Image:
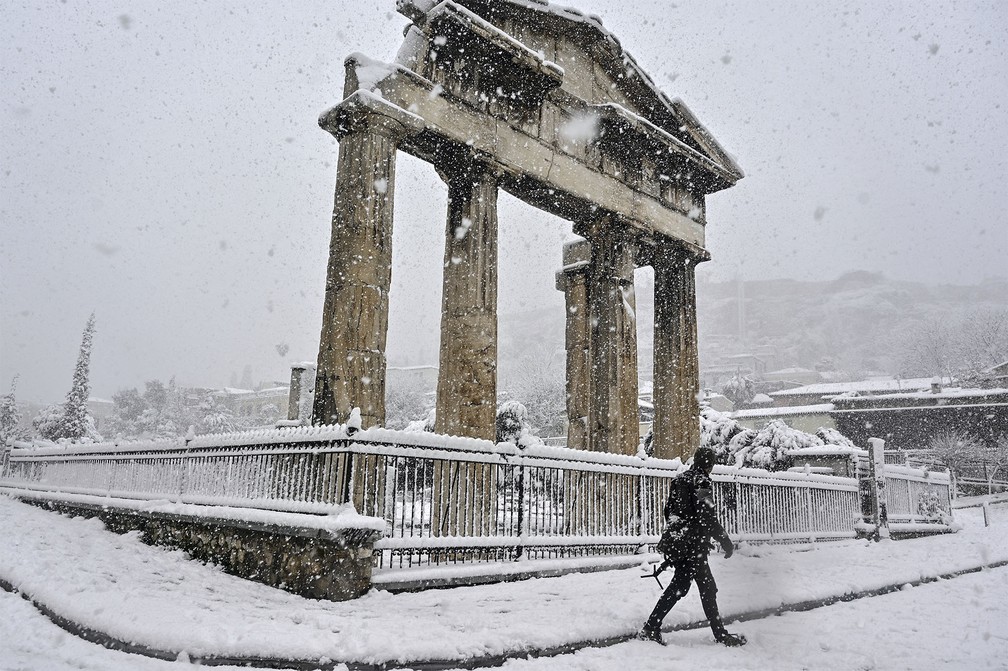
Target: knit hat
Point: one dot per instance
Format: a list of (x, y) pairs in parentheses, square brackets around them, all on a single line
[(703, 458)]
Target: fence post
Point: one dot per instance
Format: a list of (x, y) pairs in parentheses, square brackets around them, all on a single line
[(641, 510), (738, 502), (880, 516), (522, 517), (810, 521)]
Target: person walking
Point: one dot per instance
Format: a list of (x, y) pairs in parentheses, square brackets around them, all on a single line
[(686, 541)]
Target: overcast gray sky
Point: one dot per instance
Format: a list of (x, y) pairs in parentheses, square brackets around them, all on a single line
[(162, 166)]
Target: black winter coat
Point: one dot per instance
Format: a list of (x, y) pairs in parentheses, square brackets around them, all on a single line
[(691, 519)]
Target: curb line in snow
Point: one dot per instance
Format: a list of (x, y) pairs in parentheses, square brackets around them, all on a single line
[(481, 662)]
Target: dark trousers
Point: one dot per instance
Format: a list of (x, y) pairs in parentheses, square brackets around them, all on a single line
[(694, 569)]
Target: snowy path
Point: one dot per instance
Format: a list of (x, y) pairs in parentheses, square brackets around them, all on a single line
[(897, 631), (157, 598), (953, 624)]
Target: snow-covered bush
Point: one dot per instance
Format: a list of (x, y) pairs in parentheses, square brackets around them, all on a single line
[(717, 430), (765, 448), (51, 424), (424, 424), (833, 437), (770, 446), (512, 425), (511, 417)]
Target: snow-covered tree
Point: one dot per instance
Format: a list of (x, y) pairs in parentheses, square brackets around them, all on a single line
[(984, 337), (403, 404), (78, 422), (216, 417), (739, 390), (995, 460), (954, 450), (10, 415), (540, 385), (72, 420)]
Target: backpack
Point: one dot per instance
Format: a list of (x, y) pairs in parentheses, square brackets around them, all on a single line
[(672, 542)]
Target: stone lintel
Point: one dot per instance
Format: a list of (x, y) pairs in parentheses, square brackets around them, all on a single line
[(535, 171), (620, 122), (364, 110)]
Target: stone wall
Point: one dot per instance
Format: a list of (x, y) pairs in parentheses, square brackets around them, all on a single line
[(298, 560)]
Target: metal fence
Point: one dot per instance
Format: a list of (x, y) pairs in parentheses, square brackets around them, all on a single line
[(445, 500), (918, 497)]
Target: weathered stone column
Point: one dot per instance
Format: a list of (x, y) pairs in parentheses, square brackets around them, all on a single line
[(467, 373), (613, 419), (573, 281), (676, 367), (351, 361)]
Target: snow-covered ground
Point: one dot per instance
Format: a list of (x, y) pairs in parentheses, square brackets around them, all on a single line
[(160, 599)]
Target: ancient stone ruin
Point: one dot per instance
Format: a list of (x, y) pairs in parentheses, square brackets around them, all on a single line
[(544, 103)]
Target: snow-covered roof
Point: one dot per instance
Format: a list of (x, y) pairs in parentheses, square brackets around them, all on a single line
[(868, 386), (951, 392), (995, 368), (234, 391), (787, 411), (826, 451), (790, 371)]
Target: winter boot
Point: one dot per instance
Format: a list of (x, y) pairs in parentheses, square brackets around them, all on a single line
[(731, 640), (650, 634)]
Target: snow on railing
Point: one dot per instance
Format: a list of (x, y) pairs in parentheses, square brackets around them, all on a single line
[(444, 499), (917, 500)]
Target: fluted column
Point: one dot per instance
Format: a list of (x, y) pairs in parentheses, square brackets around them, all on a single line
[(613, 419), (676, 367), (351, 361), (467, 373), (573, 281)]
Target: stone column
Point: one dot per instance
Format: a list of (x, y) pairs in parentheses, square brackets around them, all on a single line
[(573, 281), (676, 367), (351, 361), (613, 419), (467, 373)]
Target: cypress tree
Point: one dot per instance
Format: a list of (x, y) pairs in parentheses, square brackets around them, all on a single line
[(10, 416), (76, 420)]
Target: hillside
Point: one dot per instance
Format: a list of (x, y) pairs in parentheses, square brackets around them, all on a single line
[(858, 323)]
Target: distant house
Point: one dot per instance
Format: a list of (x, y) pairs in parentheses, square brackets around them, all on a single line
[(823, 392), (797, 375), (806, 418), (421, 378), (909, 420), (252, 403), (99, 408)]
